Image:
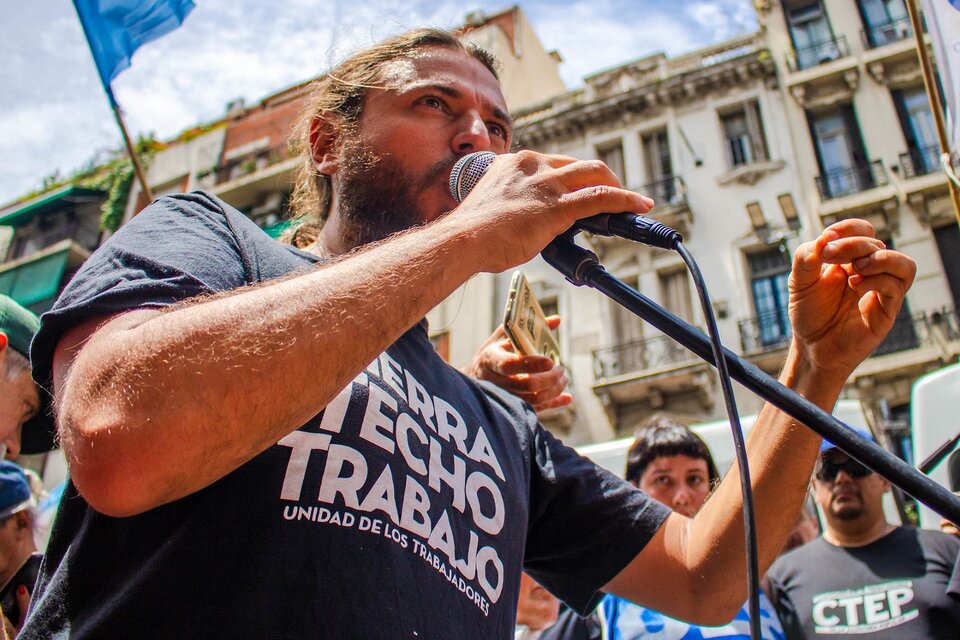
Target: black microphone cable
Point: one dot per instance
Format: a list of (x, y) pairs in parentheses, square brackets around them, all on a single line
[(746, 488), (464, 177)]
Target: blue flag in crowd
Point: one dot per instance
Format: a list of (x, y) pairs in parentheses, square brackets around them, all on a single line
[(117, 28)]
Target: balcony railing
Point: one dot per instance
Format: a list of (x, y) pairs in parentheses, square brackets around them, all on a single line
[(920, 161), (818, 53), (655, 353), (886, 32), (764, 332), (239, 167), (669, 191), (927, 329), (853, 179)]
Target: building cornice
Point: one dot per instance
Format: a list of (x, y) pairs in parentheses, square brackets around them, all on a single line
[(646, 86)]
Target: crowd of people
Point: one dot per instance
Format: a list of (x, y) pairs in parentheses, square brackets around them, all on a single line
[(263, 443)]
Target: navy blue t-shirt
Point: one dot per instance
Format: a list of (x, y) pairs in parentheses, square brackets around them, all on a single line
[(405, 509)]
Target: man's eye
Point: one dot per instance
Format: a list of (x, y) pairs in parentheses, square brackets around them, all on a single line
[(664, 480), (498, 131), (433, 102)]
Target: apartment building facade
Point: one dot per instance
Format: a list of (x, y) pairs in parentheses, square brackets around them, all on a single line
[(867, 147), (750, 148), (705, 135), (47, 238)]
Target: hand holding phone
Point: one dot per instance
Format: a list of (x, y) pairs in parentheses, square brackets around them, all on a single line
[(525, 324)]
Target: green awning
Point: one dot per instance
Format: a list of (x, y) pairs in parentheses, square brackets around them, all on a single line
[(35, 281), (65, 196), (275, 230)]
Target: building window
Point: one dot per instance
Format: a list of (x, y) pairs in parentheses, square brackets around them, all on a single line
[(813, 40), (884, 21), (675, 293), (611, 154), (916, 120), (769, 275), (743, 135), (627, 327), (840, 152), (658, 165), (948, 243)]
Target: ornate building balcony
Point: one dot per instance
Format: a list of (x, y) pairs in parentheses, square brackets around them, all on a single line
[(818, 53), (935, 329), (36, 280), (764, 339), (670, 202), (920, 161), (244, 182), (925, 185), (915, 345), (649, 370), (849, 180), (886, 33)]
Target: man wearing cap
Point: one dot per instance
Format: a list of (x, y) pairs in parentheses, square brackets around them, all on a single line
[(864, 576), (25, 424), (17, 545)]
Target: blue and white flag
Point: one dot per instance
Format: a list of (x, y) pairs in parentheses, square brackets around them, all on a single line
[(943, 21), (117, 28)]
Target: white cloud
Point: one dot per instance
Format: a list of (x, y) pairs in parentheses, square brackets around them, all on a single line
[(56, 116), (722, 19)]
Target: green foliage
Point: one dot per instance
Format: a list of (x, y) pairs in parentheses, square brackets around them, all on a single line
[(116, 182), (116, 178), (195, 132)]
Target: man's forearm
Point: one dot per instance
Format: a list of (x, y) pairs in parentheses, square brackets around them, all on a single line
[(782, 453), (153, 410), (696, 554)]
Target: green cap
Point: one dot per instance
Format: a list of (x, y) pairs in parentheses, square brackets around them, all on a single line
[(20, 325)]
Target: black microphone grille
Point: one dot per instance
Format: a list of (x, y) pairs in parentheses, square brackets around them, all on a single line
[(468, 171)]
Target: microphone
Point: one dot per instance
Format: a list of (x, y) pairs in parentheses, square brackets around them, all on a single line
[(469, 169)]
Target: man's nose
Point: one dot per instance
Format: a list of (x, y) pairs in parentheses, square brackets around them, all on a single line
[(682, 497), (472, 136)]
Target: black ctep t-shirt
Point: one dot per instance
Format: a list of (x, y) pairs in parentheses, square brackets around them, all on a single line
[(891, 589), (404, 510)]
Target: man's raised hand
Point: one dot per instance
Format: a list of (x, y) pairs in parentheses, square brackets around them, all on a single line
[(846, 289)]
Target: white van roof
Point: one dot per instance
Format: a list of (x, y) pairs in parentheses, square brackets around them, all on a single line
[(612, 455)]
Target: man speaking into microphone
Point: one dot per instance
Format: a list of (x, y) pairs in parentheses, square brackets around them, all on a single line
[(263, 444)]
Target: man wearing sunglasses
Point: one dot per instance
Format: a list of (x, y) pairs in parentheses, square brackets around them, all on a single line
[(864, 576)]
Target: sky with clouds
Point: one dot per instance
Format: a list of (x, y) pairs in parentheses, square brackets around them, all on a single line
[(54, 116)]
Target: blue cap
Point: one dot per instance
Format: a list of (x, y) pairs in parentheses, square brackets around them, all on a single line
[(14, 489), (826, 445)]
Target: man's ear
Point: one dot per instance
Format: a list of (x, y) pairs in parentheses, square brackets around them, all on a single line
[(23, 520), (323, 146)]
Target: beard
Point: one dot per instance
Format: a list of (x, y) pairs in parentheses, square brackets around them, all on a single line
[(377, 197), (847, 511)]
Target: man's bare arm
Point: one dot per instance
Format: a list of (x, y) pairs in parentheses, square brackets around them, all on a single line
[(156, 405), (846, 290)]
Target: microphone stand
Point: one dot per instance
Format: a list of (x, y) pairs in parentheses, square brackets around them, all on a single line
[(582, 267)]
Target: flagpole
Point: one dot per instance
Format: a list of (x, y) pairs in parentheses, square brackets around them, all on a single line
[(933, 94), (137, 168)]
